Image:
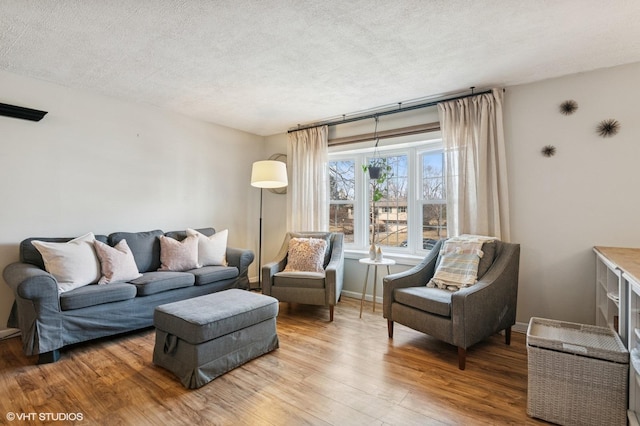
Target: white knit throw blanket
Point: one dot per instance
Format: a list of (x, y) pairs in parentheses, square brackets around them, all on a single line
[(459, 259)]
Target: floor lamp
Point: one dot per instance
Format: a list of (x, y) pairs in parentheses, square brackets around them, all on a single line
[(267, 174)]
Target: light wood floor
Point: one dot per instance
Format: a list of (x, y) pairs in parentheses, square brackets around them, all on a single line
[(342, 373)]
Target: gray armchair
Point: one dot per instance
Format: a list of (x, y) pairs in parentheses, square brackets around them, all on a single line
[(302, 287), (462, 318)]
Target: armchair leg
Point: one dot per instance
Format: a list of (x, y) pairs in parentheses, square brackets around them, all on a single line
[(330, 313), (462, 358), (390, 328), (507, 335)]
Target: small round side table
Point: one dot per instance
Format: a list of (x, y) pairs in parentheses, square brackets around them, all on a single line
[(375, 264)]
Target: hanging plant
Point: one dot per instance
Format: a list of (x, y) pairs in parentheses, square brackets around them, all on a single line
[(608, 128), (374, 172), (382, 171)]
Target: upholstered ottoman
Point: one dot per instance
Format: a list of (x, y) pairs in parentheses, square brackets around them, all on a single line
[(202, 338)]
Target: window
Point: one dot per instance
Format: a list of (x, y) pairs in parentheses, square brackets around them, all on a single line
[(432, 198), (342, 196), (411, 215)]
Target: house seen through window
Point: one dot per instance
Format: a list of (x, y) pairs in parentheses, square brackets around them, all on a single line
[(411, 214)]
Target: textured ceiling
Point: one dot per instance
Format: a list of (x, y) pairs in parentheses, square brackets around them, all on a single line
[(264, 66)]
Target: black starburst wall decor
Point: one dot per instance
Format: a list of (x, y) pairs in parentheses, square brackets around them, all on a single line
[(568, 107), (608, 128), (549, 151)]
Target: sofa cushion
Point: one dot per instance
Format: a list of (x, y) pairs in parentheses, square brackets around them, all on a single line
[(212, 249), (178, 255), (116, 263), (74, 263), (299, 279), (145, 247), (91, 295), (157, 282), (211, 274), (181, 235), (432, 300), (29, 254)]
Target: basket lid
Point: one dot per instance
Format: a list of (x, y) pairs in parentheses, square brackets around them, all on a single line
[(580, 339)]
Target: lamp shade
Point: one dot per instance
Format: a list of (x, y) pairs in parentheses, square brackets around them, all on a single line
[(269, 174)]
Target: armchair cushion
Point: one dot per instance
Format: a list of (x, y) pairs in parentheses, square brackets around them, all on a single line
[(299, 279), (432, 300), (306, 255)]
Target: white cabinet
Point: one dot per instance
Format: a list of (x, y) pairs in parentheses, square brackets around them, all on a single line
[(618, 307), (611, 294), (634, 349)]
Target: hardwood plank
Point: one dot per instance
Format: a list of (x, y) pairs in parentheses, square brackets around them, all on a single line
[(324, 373)]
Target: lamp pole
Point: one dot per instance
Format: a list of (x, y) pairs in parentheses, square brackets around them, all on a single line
[(260, 246), (266, 174)]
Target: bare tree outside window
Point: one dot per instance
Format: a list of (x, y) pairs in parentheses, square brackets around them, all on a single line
[(434, 207), (390, 217), (342, 183)]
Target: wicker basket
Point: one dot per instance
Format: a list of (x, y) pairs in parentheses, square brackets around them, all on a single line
[(578, 374)]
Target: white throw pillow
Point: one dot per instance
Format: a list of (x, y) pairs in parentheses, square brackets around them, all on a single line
[(74, 263), (178, 255), (211, 250), (117, 262), (306, 255)]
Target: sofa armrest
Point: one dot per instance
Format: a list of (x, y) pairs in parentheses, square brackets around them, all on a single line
[(489, 306), (417, 276), (241, 259), (38, 307), (30, 282)]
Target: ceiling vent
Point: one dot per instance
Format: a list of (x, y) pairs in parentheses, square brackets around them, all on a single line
[(21, 112)]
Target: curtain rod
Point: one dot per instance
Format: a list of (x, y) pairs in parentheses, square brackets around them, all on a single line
[(378, 114)]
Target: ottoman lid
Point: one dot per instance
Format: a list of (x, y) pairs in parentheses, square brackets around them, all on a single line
[(204, 318)]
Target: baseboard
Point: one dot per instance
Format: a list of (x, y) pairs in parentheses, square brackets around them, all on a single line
[(8, 333), (355, 295), (520, 327)]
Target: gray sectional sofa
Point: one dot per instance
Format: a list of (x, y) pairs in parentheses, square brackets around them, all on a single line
[(49, 320)]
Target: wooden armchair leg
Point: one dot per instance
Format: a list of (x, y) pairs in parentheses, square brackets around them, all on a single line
[(330, 313), (507, 335), (462, 358), (390, 328)]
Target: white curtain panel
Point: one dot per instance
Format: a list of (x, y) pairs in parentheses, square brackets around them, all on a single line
[(307, 202), (475, 163)]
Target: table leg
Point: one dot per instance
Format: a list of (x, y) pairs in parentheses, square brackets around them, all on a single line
[(364, 289), (375, 281), (375, 284)]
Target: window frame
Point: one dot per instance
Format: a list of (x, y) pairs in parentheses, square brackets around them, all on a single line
[(415, 202)]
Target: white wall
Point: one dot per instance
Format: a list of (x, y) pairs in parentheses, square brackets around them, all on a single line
[(586, 195), (98, 164)]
